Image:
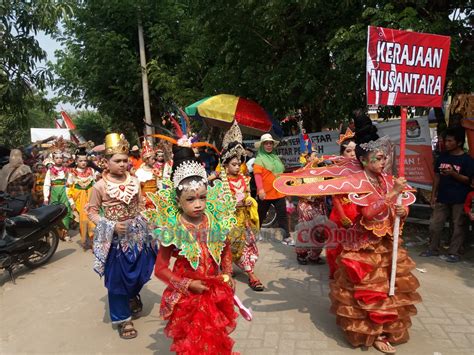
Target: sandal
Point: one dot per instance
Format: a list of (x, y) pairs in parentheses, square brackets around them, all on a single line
[(382, 345), (136, 305), (302, 260), (126, 330), (256, 285)]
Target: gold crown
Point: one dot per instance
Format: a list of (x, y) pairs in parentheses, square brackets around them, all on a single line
[(116, 144)]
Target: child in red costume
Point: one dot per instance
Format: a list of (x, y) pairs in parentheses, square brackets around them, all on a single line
[(193, 221), (344, 211)]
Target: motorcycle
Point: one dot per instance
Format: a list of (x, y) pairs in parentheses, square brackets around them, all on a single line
[(28, 237)]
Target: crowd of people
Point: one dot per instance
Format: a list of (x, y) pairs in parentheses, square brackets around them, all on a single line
[(138, 208)]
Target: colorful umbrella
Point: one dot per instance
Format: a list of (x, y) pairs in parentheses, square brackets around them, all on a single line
[(221, 110)]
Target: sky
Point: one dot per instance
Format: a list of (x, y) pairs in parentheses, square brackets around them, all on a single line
[(50, 45)]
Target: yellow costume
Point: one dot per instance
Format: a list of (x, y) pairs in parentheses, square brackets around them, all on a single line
[(80, 182)]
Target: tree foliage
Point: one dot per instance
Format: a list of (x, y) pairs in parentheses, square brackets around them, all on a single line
[(307, 55), (93, 126), (40, 114), (20, 52)]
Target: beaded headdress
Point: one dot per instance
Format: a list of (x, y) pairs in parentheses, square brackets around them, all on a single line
[(116, 144), (232, 144), (58, 147), (382, 144), (187, 169)]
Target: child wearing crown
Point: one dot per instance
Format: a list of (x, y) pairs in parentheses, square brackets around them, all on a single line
[(123, 248), (79, 183), (147, 174), (193, 221), (242, 238), (54, 187)]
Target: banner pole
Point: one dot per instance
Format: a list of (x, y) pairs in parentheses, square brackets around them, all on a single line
[(401, 172)]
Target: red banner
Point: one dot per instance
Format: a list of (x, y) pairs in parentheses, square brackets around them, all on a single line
[(406, 68)]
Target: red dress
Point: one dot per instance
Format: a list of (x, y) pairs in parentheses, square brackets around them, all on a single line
[(198, 323), (343, 211)]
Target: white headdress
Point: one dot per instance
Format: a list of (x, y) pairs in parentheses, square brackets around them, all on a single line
[(187, 169)]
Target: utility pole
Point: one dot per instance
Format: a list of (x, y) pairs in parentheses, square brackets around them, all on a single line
[(146, 95)]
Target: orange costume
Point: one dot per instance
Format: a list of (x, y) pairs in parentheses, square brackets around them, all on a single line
[(359, 291)]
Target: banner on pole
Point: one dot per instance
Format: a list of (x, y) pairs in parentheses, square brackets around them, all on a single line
[(405, 68)]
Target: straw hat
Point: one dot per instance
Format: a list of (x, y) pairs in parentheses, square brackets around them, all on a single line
[(267, 137)]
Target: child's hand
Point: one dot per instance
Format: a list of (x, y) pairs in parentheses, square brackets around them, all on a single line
[(400, 211), (471, 216), (121, 228), (198, 286)]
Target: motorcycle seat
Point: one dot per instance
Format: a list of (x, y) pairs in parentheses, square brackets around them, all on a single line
[(31, 220)]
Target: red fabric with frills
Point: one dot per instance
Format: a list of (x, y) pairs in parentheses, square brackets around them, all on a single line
[(200, 324), (356, 270), (369, 297), (342, 208)]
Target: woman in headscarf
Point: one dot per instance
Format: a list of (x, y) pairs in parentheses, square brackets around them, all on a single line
[(16, 178), (266, 168)]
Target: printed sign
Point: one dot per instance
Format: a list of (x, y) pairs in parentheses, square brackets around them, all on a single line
[(405, 68)]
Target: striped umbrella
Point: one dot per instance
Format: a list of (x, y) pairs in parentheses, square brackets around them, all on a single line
[(221, 110)]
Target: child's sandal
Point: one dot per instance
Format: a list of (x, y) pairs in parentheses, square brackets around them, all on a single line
[(127, 330)]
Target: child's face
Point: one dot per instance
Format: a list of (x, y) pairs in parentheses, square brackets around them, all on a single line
[(233, 167), (117, 164), (58, 160), (193, 201), (150, 161), (81, 162), (39, 168)]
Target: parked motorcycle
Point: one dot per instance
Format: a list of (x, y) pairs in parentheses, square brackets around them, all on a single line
[(30, 238)]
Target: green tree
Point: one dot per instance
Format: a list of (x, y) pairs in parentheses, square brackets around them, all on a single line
[(307, 55), (20, 52), (93, 126), (40, 114)]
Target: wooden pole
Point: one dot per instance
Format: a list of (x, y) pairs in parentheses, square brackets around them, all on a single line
[(401, 172), (146, 95)]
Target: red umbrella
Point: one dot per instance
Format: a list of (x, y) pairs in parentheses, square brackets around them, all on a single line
[(221, 110)]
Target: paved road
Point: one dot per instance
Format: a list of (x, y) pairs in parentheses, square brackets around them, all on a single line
[(61, 308)]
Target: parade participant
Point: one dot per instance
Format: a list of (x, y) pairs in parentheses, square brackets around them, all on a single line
[(243, 237), (359, 293), (79, 183), (162, 165), (193, 222), (124, 252), (16, 178), (54, 188), (39, 171), (266, 168), (311, 208), (135, 160), (344, 211), (147, 174)]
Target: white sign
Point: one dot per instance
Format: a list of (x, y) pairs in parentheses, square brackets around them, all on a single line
[(38, 134)]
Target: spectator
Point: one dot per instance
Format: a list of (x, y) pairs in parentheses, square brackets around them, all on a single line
[(450, 188), (16, 178), (266, 168)]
